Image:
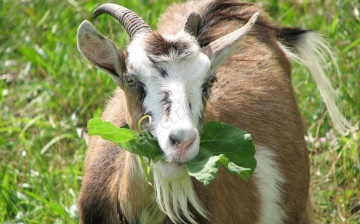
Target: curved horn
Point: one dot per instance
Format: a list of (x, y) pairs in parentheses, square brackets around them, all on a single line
[(132, 23)]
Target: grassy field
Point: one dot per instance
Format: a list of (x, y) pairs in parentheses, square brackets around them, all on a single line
[(48, 92)]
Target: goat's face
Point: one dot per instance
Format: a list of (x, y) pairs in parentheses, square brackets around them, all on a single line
[(166, 77), (176, 78)]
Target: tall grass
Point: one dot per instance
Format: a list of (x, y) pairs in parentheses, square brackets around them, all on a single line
[(48, 93)]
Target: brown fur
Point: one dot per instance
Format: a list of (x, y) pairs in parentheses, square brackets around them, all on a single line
[(253, 92), (156, 45)]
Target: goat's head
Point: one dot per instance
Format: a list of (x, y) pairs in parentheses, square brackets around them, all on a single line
[(168, 77)]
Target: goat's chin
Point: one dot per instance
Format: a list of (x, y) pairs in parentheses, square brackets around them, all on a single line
[(170, 170)]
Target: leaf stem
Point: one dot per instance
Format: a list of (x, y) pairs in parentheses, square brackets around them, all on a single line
[(146, 167), (141, 120)]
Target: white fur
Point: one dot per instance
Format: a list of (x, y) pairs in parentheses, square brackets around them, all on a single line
[(268, 178), (313, 52), (174, 191), (184, 81)]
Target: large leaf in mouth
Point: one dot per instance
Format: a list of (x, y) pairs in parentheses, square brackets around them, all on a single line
[(142, 143), (223, 144), (220, 144)]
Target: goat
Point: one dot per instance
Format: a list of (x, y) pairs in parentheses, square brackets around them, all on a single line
[(199, 66)]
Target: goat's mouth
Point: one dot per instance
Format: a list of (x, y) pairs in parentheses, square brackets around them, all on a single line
[(178, 157), (176, 164)]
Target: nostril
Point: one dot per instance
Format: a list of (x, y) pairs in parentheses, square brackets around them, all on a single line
[(175, 139)]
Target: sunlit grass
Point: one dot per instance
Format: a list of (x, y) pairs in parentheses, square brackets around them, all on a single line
[(48, 93)]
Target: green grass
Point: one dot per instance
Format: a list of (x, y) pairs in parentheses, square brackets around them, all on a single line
[(48, 92)]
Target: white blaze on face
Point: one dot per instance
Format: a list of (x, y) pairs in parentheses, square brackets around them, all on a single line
[(180, 94), (174, 91)]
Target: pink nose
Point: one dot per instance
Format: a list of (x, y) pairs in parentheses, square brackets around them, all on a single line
[(182, 140)]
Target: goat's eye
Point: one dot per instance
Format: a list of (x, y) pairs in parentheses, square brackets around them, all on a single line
[(211, 81), (131, 81)]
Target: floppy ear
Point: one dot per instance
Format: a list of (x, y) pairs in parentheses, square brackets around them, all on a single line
[(100, 51), (220, 49)]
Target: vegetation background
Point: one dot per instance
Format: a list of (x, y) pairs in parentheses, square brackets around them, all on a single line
[(48, 92)]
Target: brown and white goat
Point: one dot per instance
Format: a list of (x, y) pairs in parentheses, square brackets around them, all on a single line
[(193, 69)]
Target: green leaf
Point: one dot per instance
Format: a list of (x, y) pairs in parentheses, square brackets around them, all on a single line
[(230, 146), (108, 131), (142, 144), (236, 144), (205, 167), (146, 145), (220, 144)]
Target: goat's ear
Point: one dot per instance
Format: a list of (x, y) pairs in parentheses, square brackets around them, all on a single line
[(222, 48), (100, 51)]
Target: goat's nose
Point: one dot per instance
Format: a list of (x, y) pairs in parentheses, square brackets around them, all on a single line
[(182, 139)]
